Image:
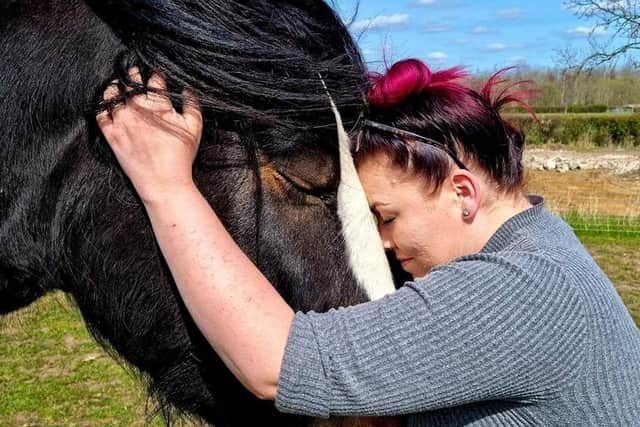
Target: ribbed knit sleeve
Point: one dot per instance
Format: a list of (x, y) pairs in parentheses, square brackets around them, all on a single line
[(483, 327)]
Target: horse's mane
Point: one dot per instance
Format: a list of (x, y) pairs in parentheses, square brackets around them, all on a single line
[(256, 59)]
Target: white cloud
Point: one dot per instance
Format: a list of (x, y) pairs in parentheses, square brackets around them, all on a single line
[(518, 59), (381, 22), (461, 41), (480, 29), (437, 56), (440, 4), (581, 31), (435, 27), (495, 47), (509, 13), (499, 47)]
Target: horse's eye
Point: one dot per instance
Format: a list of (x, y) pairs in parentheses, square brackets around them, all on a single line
[(328, 199), (306, 194)]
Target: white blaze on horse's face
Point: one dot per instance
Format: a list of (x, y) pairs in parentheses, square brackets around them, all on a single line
[(364, 247)]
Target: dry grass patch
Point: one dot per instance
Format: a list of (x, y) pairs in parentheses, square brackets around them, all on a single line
[(588, 193)]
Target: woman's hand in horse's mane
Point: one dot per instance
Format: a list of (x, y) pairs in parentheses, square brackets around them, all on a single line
[(239, 312), (155, 145)]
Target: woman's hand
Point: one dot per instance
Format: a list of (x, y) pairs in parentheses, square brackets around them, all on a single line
[(154, 144)]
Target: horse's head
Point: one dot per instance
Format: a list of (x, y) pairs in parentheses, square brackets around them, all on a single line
[(271, 163)]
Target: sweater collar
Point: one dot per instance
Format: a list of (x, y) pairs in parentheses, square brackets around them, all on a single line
[(504, 235)]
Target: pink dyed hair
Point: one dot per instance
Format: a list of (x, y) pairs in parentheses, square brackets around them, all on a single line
[(435, 105), (412, 77)]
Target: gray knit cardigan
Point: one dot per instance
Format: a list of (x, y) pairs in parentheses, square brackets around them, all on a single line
[(528, 332)]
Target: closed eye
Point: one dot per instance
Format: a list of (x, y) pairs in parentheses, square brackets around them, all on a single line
[(380, 221), (306, 194)]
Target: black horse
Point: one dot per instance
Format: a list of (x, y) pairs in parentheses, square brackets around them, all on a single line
[(269, 163)]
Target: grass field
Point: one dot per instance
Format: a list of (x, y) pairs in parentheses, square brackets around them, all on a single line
[(52, 373), (561, 115)]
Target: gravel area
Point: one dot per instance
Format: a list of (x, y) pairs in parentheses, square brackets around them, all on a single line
[(620, 161)]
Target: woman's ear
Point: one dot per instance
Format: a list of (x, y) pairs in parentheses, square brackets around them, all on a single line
[(467, 188)]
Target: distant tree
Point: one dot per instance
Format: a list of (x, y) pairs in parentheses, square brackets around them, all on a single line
[(621, 18), (566, 60)]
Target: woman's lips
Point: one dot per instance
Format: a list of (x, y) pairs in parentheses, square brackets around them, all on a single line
[(403, 260)]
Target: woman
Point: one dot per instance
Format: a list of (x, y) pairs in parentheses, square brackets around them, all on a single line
[(508, 321)]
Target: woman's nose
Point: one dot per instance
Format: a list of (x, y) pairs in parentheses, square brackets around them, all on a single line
[(386, 242)]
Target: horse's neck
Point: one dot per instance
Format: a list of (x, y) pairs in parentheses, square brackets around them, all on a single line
[(53, 56)]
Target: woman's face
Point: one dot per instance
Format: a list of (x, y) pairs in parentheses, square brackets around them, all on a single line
[(422, 228)]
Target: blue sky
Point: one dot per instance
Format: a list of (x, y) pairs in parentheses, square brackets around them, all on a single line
[(482, 35)]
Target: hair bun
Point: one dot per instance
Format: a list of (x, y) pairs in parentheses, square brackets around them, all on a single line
[(408, 77)]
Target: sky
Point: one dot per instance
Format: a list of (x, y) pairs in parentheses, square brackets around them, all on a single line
[(481, 35)]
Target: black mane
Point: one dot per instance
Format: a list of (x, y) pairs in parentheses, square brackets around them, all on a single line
[(256, 59)]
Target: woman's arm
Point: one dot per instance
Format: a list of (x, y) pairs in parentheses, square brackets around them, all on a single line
[(242, 316), (236, 308)]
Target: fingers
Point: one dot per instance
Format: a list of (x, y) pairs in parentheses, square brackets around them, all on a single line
[(105, 118), (157, 95), (157, 81), (104, 121), (112, 91), (157, 103), (134, 75), (191, 111)]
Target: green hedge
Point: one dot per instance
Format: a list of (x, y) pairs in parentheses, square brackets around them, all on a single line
[(596, 108), (590, 129)]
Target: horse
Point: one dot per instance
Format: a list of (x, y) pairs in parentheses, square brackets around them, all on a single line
[(277, 81)]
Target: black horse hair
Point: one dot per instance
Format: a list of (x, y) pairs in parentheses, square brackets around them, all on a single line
[(233, 55)]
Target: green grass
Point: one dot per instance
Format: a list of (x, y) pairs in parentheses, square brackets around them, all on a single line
[(619, 228), (53, 373), (570, 115), (598, 129)]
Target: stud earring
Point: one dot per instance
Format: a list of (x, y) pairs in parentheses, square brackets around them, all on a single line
[(465, 212)]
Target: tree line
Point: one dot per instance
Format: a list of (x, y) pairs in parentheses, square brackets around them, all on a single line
[(594, 82), (594, 90)]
